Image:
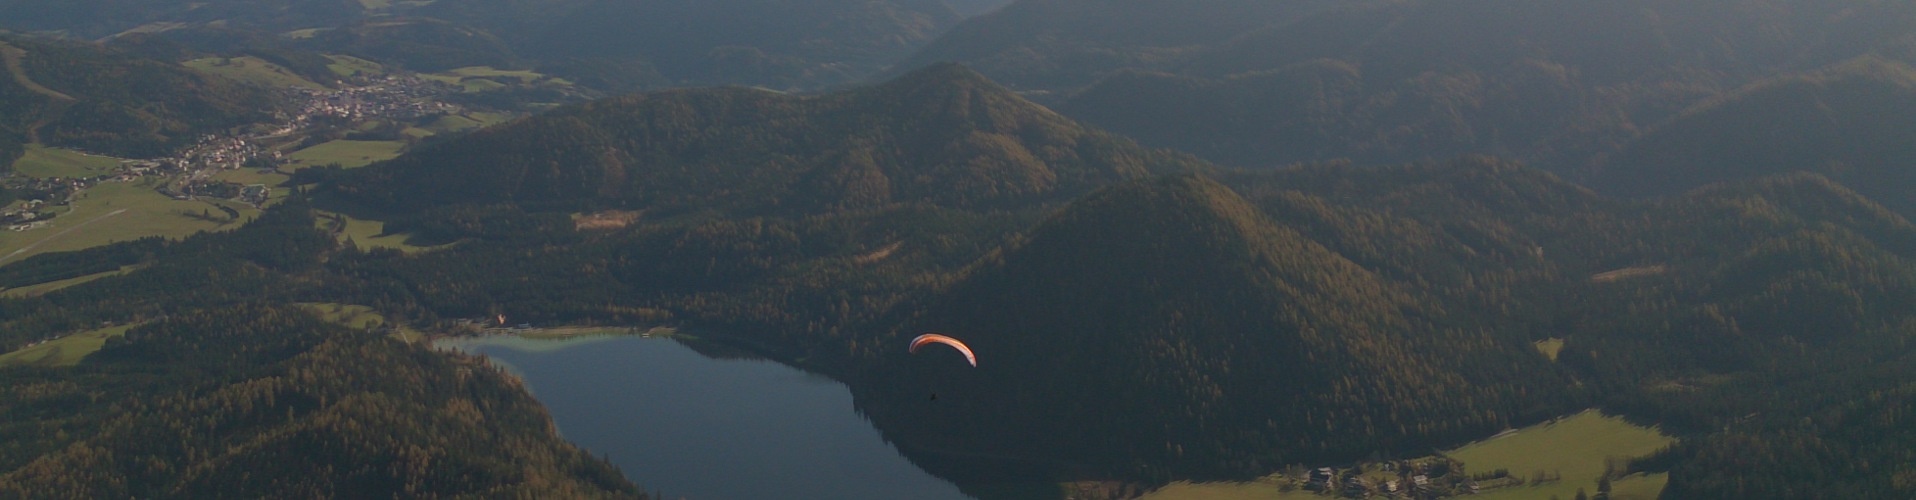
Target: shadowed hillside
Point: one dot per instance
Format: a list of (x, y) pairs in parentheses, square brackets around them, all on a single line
[(1848, 123), (942, 135)]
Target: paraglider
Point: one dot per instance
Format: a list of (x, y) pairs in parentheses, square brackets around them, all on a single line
[(933, 338)]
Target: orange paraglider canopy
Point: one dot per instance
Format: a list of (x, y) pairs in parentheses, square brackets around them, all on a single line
[(933, 338)]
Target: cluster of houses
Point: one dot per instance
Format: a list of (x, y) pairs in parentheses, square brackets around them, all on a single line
[(1426, 478), (397, 97)]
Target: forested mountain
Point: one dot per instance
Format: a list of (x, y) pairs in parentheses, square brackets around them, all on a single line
[(772, 43), (763, 42), (223, 387), (100, 99), (94, 19), (942, 135), (1216, 341), (1053, 44), (272, 402), (1848, 123), (1213, 351), (1553, 83)]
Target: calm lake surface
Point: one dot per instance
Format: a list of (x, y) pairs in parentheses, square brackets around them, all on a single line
[(686, 425)]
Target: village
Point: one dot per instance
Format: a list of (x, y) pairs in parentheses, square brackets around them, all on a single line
[(190, 173)]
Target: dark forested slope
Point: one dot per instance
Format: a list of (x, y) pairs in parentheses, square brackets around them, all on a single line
[(942, 135), (97, 98), (1215, 341), (272, 402)]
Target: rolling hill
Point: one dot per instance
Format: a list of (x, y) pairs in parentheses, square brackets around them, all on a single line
[(101, 99), (943, 135), (1553, 83), (1209, 340), (1844, 123)]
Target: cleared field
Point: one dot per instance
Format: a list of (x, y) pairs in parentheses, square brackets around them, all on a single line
[(116, 211), (64, 351), (302, 34), (369, 234), (348, 154), (464, 122), (251, 176), (44, 288), (347, 65), (360, 317), (1550, 347), (252, 70), (1574, 447), (43, 162)]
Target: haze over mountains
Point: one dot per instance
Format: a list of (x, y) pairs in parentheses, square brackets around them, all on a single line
[(1366, 219), (1562, 85)]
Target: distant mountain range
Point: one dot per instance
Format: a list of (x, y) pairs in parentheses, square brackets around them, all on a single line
[(1558, 84), (100, 99), (942, 135)]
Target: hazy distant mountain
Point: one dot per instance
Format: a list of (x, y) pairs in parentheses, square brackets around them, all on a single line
[(764, 42), (756, 42), (970, 8), (943, 135), (93, 19), (1555, 83), (1849, 123), (1052, 44)]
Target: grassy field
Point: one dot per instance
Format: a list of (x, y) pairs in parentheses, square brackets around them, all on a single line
[(44, 288), (116, 211), (1550, 347), (349, 154), (368, 234), (252, 70), (43, 162), (360, 317), (1574, 447), (347, 65), (1227, 491), (65, 351)]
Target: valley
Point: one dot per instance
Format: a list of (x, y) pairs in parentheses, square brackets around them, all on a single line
[(1208, 249)]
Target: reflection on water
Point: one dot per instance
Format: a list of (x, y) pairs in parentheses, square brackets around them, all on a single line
[(690, 426)]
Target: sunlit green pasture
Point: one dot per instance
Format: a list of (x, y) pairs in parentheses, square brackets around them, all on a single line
[(348, 154), (64, 351), (118, 211), (44, 162), (252, 70)]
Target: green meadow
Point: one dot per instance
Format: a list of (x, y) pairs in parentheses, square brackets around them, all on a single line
[(343, 65), (252, 70), (43, 162), (1550, 347), (369, 234), (1574, 447), (118, 211), (64, 351), (44, 288), (360, 318), (348, 154)]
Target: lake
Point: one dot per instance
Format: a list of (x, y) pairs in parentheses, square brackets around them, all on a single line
[(686, 425)]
